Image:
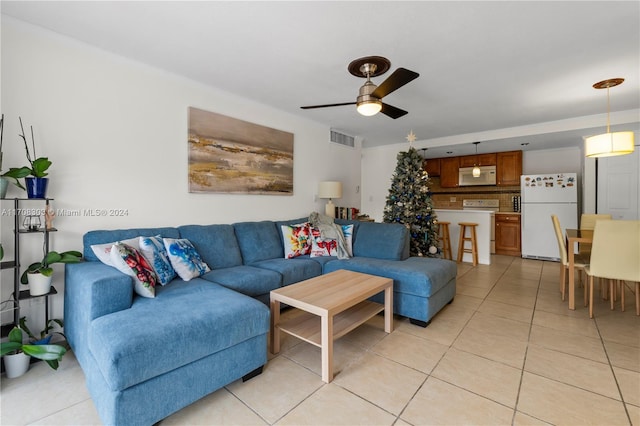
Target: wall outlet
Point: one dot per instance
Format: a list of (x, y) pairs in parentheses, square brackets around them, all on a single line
[(452, 199)]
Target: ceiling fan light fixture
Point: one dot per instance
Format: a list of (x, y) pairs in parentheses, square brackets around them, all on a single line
[(609, 144), (369, 108)]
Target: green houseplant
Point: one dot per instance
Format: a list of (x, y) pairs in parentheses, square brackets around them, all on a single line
[(39, 274), (13, 174), (52, 354), (34, 174)]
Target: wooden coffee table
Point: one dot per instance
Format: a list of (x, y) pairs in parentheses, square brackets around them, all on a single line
[(333, 305)]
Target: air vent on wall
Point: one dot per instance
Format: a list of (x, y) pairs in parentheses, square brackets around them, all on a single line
[(342, 139)]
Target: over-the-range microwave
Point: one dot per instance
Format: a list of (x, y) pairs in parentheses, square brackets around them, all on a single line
[(487, 176)]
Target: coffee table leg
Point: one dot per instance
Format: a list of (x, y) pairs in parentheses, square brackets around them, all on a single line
[(388, 309), (275, 331), (327, 347)]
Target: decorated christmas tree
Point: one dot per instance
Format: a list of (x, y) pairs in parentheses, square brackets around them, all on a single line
[(409, 202)]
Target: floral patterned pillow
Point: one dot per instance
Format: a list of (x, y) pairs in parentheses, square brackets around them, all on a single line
[(329, 247), (153, 250), (130, 261), (184, 258), (297, 240)]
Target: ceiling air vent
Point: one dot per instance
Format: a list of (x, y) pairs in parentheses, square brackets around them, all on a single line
[(342, 139)]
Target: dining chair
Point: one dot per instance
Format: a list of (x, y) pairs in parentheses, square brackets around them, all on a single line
[(614, 256), (588, 221), (579, 261)]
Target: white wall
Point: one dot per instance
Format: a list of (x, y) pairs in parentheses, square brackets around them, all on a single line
[(568, 160), (116, 131)]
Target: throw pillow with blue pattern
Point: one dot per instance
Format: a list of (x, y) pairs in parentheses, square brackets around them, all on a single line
[(184, 258), (153, 250)]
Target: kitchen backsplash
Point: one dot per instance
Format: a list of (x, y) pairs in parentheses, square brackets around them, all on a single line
[(451, 198)]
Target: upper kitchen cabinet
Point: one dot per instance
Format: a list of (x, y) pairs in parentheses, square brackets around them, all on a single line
[(449, 172), (432, 166), (478, 160), (508, 168)]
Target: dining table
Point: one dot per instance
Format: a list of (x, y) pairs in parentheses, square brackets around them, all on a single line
[(575, 236)]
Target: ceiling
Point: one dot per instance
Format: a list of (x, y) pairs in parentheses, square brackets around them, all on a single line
[(504, 73)]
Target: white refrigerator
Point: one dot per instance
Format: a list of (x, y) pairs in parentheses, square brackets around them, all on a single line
[(542, 196)]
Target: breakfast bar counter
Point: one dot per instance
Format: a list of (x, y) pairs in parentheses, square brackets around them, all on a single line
[(483, 231)]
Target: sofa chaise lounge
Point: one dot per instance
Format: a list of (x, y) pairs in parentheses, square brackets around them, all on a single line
[(146, 358)]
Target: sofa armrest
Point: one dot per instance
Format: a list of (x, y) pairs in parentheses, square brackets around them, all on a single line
[(92, 290)]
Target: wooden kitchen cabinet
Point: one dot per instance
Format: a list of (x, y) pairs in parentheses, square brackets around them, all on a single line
[(508, 168), (432, 166), (449, 172), (479, 160), (508, 234)]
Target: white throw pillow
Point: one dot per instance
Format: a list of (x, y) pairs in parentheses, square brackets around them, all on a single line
[(130, 261), (103, 251), (184, 258)]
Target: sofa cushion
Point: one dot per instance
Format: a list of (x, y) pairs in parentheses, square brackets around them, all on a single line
[(292, 270), (103, 237), (381, 241), (420, 276), (186, 321), (258, 241), (216, 244), (246, 279)]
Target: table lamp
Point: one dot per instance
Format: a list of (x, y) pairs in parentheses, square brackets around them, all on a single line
[(330, 190)]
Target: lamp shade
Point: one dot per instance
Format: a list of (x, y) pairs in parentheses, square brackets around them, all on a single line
[(330, 189), (609, 144)]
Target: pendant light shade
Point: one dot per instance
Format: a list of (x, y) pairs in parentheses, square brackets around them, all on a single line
[(609, 144), (476, 170)]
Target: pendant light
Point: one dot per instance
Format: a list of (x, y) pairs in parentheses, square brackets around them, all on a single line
[(609, 144), (476, 170)]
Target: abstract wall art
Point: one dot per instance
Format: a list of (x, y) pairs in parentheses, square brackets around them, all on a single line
[(228, 155)]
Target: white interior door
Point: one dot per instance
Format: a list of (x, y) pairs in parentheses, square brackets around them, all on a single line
[(618, 188)]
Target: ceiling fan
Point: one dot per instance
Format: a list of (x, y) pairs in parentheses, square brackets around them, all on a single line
[(369, 101)]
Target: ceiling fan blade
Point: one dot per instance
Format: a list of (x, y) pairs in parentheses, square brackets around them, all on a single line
[(392, 111), (399, 78), (328, 105)]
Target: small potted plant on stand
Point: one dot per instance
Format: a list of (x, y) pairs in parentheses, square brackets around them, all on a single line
[(36, 181), (39, 274), (17, 355), (13, 174)]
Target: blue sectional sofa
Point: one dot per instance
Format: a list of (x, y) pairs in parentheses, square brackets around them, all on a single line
[(146, 358)]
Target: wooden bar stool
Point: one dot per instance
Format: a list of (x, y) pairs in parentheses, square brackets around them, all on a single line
[(445, 240), (463, 238)]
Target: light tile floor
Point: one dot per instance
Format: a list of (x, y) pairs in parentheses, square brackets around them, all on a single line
[(506, 351)]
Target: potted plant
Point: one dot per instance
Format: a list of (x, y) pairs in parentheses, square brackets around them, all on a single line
[(44, 337), (39, 274), (13, 174), (35, 174), (16, 354)]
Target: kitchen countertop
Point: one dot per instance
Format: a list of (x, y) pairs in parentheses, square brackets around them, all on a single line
[(511, 213)]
